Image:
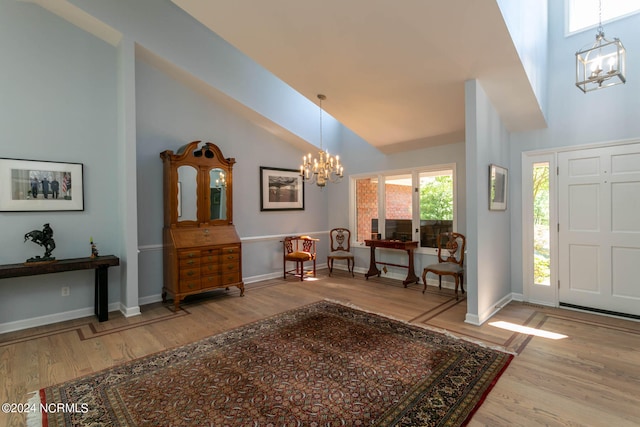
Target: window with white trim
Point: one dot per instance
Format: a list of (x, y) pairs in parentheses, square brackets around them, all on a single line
[(415, 204), (584, 14)]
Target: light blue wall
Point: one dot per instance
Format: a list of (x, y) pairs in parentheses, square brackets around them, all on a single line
[(575, 118), (489, 255), (169, 115), (58, 102), (527, 21), (167, 31)]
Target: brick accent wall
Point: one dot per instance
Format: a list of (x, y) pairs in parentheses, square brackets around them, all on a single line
[(398, 205), (398, 201), (367, 207)]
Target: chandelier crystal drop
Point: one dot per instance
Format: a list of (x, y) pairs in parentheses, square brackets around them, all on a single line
[(602, 64), (323, 169)]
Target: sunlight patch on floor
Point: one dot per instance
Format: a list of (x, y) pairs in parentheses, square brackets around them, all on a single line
[(527, 330)]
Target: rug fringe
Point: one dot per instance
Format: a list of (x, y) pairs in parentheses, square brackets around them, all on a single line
[(428, 328), (34, 418)]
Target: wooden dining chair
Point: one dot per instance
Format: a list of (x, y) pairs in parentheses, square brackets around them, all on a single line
[(340, 249), (451, 247)]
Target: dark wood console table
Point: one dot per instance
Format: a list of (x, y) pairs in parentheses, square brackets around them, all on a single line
[(99, 264), (409, 247)]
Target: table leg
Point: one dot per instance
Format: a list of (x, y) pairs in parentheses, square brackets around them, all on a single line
[(373, 269), (411, 274), (102, 293)]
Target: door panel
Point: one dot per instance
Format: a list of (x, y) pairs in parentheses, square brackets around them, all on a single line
[(599, 239)]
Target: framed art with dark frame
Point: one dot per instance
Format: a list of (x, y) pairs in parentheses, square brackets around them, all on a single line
[(281, 189), (498, 188), (33, 185)]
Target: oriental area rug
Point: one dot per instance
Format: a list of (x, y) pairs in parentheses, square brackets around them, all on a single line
[(324, 364)]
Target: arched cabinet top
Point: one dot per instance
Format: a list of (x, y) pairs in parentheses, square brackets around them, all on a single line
[(200, 198), (199, 154)]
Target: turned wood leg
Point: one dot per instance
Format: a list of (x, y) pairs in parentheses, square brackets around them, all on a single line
[(424, 280), (462, 282), (439, 282), (164, 296), (457, 280)]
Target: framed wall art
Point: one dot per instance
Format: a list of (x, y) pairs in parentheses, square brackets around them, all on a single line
[(498, 179), (281, 189), (32, 185)]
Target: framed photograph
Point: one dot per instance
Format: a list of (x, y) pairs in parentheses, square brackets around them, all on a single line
[(31, 185), (281, 189), (498, 178)]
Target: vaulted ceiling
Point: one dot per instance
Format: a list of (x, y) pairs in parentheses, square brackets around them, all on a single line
[(393, 72)]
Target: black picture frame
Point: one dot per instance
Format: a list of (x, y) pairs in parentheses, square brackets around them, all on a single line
[(281, 189), (39, 185)]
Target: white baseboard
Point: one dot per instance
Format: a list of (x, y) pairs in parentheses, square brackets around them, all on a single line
[(478, 320), (52, 318), (130, 311)]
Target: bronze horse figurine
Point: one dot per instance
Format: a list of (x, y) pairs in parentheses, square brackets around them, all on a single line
[(43, 238)]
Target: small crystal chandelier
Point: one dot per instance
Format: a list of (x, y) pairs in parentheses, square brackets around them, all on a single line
[(221, 181), (325, 168), (602, 64)]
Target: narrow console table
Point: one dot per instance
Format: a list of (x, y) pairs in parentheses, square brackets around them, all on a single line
[(409, 247), (99, 264)]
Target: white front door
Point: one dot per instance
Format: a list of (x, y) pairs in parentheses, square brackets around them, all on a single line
[(599, 222)]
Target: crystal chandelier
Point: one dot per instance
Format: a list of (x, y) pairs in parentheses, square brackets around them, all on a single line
[(221, 181), (325, 168), (601, 64)]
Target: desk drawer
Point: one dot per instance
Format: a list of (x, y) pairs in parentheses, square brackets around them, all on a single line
[(230, 250), (186, 263), (189, 285), (210, 258), (190, 273), (229, 257), (206, 269), (230, 267), (189, 254), (210, 281), (228, 278)]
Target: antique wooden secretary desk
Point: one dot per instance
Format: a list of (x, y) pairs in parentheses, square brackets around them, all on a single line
[(202, 250)]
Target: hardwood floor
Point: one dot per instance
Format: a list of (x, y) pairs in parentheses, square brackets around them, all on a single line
[(589, 378)]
